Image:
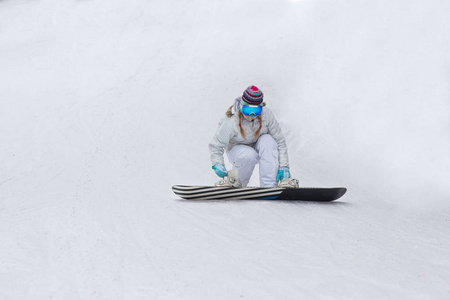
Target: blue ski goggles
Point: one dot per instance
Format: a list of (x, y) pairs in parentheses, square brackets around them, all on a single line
[(251, 110)]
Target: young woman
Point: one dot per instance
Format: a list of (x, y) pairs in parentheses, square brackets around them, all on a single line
[(251, 134)]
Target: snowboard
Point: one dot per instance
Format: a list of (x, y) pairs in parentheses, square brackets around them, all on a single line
[(192, 192)]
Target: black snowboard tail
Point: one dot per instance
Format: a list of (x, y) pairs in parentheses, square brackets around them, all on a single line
[(191, 192)]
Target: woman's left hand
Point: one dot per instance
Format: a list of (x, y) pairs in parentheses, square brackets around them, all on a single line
[(283, 173)]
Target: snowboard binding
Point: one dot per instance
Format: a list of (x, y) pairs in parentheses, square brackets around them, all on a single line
[(231, 180), (288, 183)]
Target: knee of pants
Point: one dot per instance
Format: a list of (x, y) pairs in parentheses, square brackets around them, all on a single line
[(267, 143), (242, 155)]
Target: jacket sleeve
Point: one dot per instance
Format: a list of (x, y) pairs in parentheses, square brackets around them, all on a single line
[(221, 140), (277, 134)]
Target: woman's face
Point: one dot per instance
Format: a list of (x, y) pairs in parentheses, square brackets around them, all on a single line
[(250, 112), (249, 118)]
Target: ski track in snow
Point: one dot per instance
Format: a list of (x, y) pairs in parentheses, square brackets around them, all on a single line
[(104, 108)]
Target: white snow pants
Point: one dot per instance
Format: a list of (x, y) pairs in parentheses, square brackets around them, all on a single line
[(265, 152)]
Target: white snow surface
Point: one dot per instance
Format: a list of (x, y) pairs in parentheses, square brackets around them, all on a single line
[(106, 105)]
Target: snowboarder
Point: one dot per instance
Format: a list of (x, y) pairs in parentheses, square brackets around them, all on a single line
[(251, 134)]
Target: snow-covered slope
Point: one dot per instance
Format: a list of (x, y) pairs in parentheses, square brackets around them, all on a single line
[(105, 106)]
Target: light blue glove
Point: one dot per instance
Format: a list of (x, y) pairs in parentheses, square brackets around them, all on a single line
[(283, 173), (220, 170)]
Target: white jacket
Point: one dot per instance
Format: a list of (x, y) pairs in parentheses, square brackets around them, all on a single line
[(228, 135)]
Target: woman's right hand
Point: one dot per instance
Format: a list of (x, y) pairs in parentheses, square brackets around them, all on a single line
[(220, 170)]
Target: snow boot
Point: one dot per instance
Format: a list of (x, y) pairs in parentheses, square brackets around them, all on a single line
[(231, 180), (288, 183)]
